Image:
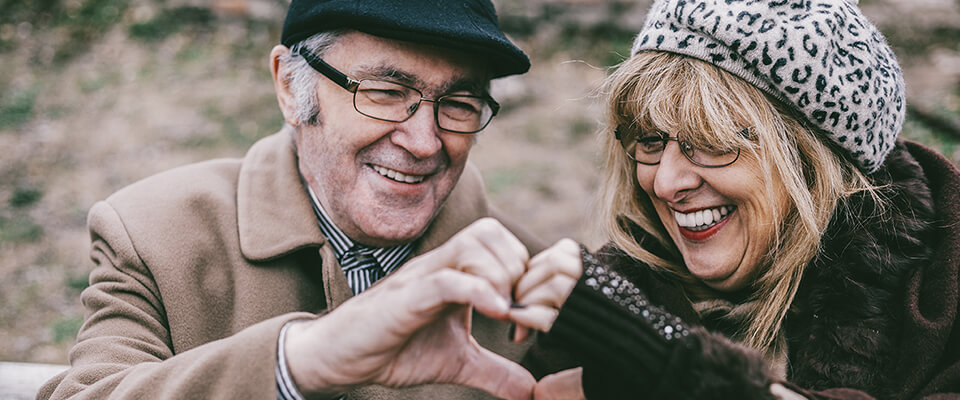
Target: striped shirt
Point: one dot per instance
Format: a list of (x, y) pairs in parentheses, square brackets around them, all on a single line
[(390, 258)]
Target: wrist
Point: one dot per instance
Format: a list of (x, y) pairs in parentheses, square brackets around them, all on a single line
[(312, 371)]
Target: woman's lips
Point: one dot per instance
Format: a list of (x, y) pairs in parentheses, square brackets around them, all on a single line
[(700, 230)]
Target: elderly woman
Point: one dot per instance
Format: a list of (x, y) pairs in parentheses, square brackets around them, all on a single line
[(769, 234)]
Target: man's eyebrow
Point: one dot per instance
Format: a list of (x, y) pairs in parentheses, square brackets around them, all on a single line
[(391, 73), (387, 72)]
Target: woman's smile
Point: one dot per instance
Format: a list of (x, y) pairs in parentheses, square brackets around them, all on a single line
[(702, 224)]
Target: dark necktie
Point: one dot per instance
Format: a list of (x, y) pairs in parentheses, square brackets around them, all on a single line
[(361, 268)]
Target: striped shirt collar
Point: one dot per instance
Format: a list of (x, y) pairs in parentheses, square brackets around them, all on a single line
[(390, 258)]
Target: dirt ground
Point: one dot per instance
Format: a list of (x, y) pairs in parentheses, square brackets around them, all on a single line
[(127, 103)]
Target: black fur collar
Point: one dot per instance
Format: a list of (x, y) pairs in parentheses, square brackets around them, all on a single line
[(842, 329)]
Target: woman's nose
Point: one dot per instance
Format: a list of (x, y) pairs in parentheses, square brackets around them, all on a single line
[(676, 175)]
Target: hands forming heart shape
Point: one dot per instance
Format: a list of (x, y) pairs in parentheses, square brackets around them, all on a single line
[(415, 327)]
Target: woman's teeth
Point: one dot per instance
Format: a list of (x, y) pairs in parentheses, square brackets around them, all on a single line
[(398, 176), (703, 219)]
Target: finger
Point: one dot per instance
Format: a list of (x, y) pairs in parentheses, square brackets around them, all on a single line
[(537, 317), (782, 393), (520, 333), (553, 285), (504, 245), (563, 385), (553, 292), (485, 265), (496, 375), (561, 258), (449, 286), (486, 249), (465, 242)]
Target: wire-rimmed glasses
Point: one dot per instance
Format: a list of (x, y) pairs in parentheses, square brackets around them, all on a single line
[(646, 147), (395, 102)]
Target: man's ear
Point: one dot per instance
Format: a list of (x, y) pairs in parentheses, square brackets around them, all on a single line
[(285, 97)]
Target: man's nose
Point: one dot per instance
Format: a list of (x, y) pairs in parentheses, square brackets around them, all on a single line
[(419, 134), (676, 175)]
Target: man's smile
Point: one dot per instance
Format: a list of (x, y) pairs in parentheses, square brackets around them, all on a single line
[(397, 175)]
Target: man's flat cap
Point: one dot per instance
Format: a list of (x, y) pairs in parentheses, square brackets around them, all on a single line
[(467, 25)]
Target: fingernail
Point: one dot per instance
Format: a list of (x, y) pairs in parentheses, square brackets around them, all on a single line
[(516, 305), (503, 304)]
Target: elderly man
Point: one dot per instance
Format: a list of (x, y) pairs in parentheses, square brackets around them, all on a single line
[(243, 278)]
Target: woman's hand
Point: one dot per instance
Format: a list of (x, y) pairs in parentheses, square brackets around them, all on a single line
[(542, 290), (783, 393), (563, 385)]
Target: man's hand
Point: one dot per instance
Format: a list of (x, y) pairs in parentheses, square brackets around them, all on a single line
[(414, 327), (541, 292)]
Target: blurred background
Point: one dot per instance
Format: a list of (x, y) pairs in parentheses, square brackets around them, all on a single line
[(96, 94)]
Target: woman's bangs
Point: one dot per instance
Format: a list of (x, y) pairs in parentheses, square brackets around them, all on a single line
[(640, 108), (686, 98), (712, 112)]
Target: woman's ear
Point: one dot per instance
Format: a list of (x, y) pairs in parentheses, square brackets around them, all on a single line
[(281, 83)]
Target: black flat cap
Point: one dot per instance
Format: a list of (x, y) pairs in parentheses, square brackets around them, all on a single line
[(468, 25)]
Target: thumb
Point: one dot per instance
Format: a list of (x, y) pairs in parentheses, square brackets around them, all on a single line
[(494, 374)]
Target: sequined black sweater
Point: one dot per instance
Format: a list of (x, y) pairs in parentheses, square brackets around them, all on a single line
[(628, 345)]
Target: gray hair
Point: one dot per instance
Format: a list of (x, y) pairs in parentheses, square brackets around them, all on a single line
[(302, 79)]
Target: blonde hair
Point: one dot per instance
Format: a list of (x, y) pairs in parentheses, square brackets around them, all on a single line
[(681, 94)]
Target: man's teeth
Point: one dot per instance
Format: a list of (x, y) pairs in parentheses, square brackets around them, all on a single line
[(703, 219), (398, 176)]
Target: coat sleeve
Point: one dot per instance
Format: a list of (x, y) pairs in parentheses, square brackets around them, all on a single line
[(627, 345), (124, 348)]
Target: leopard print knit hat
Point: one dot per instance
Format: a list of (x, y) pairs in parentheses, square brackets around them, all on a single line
[(822, 58)]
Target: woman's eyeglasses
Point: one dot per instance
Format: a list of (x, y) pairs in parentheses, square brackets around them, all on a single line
[(647, 148)]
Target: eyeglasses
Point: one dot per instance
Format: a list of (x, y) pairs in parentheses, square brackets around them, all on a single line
[(396, 102), (647, 148)]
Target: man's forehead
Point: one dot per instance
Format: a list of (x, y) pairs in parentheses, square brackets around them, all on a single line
[(421, 79), (423, 66)]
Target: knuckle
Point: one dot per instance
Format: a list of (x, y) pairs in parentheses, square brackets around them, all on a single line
[(488, 224), (445, 278), (500, 279), (568, 244)]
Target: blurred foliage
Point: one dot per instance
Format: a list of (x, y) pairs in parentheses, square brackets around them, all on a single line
[(101, 81), (171, 21), (500, 179), (16, 226), (81, 22), (259, 115), (909, 41), (16, 107), (66, 328), (554, 27), (77, 282), (19, 228), (25, 196)]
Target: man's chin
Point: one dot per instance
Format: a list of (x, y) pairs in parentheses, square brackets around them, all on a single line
[(385, 234)]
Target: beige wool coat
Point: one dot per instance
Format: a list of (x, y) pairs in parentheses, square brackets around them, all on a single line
[(198, 268)]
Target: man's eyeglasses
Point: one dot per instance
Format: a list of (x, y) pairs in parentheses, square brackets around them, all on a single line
[(395, 102), (647, 148)]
